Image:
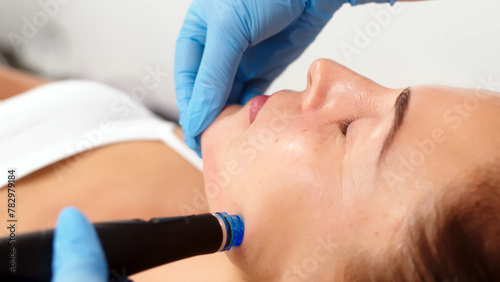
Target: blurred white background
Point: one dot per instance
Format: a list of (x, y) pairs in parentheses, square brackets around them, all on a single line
[(450, 42)]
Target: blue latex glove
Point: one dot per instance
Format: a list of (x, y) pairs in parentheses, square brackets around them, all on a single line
[(77, 251), (230, 51)]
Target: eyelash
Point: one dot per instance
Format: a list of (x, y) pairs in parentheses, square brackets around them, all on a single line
[(344, 125)]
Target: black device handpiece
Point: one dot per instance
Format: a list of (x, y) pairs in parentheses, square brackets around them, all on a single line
[(130, 246)]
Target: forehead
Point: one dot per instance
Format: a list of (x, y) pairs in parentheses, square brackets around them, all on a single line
[(446, 132)]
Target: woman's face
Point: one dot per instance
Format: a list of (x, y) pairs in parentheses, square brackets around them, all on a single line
[(312, 190)]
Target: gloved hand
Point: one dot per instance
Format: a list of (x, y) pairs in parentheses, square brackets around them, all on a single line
[(229, 51), (77, 255)]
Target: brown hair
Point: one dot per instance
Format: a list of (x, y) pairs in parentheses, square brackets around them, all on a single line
[(458, 241)]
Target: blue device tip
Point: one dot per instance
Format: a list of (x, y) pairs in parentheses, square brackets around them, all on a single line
[(235, 230), (238, 230)]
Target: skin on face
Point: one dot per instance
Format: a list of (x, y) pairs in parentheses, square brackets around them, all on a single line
[(310, 195)]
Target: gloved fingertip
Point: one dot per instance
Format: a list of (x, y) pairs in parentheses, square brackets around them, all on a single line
[(77, 251), (68, 215), (189, 129), (203, 109), (69, 220), (194, 143), (191, 142), (198, 152), (198, 143)]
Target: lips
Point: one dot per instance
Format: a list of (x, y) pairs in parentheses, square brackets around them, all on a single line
[(256, 104)]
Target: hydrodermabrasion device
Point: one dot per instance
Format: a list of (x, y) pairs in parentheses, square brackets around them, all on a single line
[(130, 246)]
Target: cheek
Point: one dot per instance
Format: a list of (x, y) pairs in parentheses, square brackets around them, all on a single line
[(282, 200), (256, 164), (282, 183), (248, 161), (274, 179), (218, 138)]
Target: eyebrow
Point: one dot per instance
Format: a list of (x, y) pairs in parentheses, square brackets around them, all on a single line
[(400, 108)]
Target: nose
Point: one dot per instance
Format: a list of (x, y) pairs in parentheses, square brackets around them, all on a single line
[(340, 91)]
